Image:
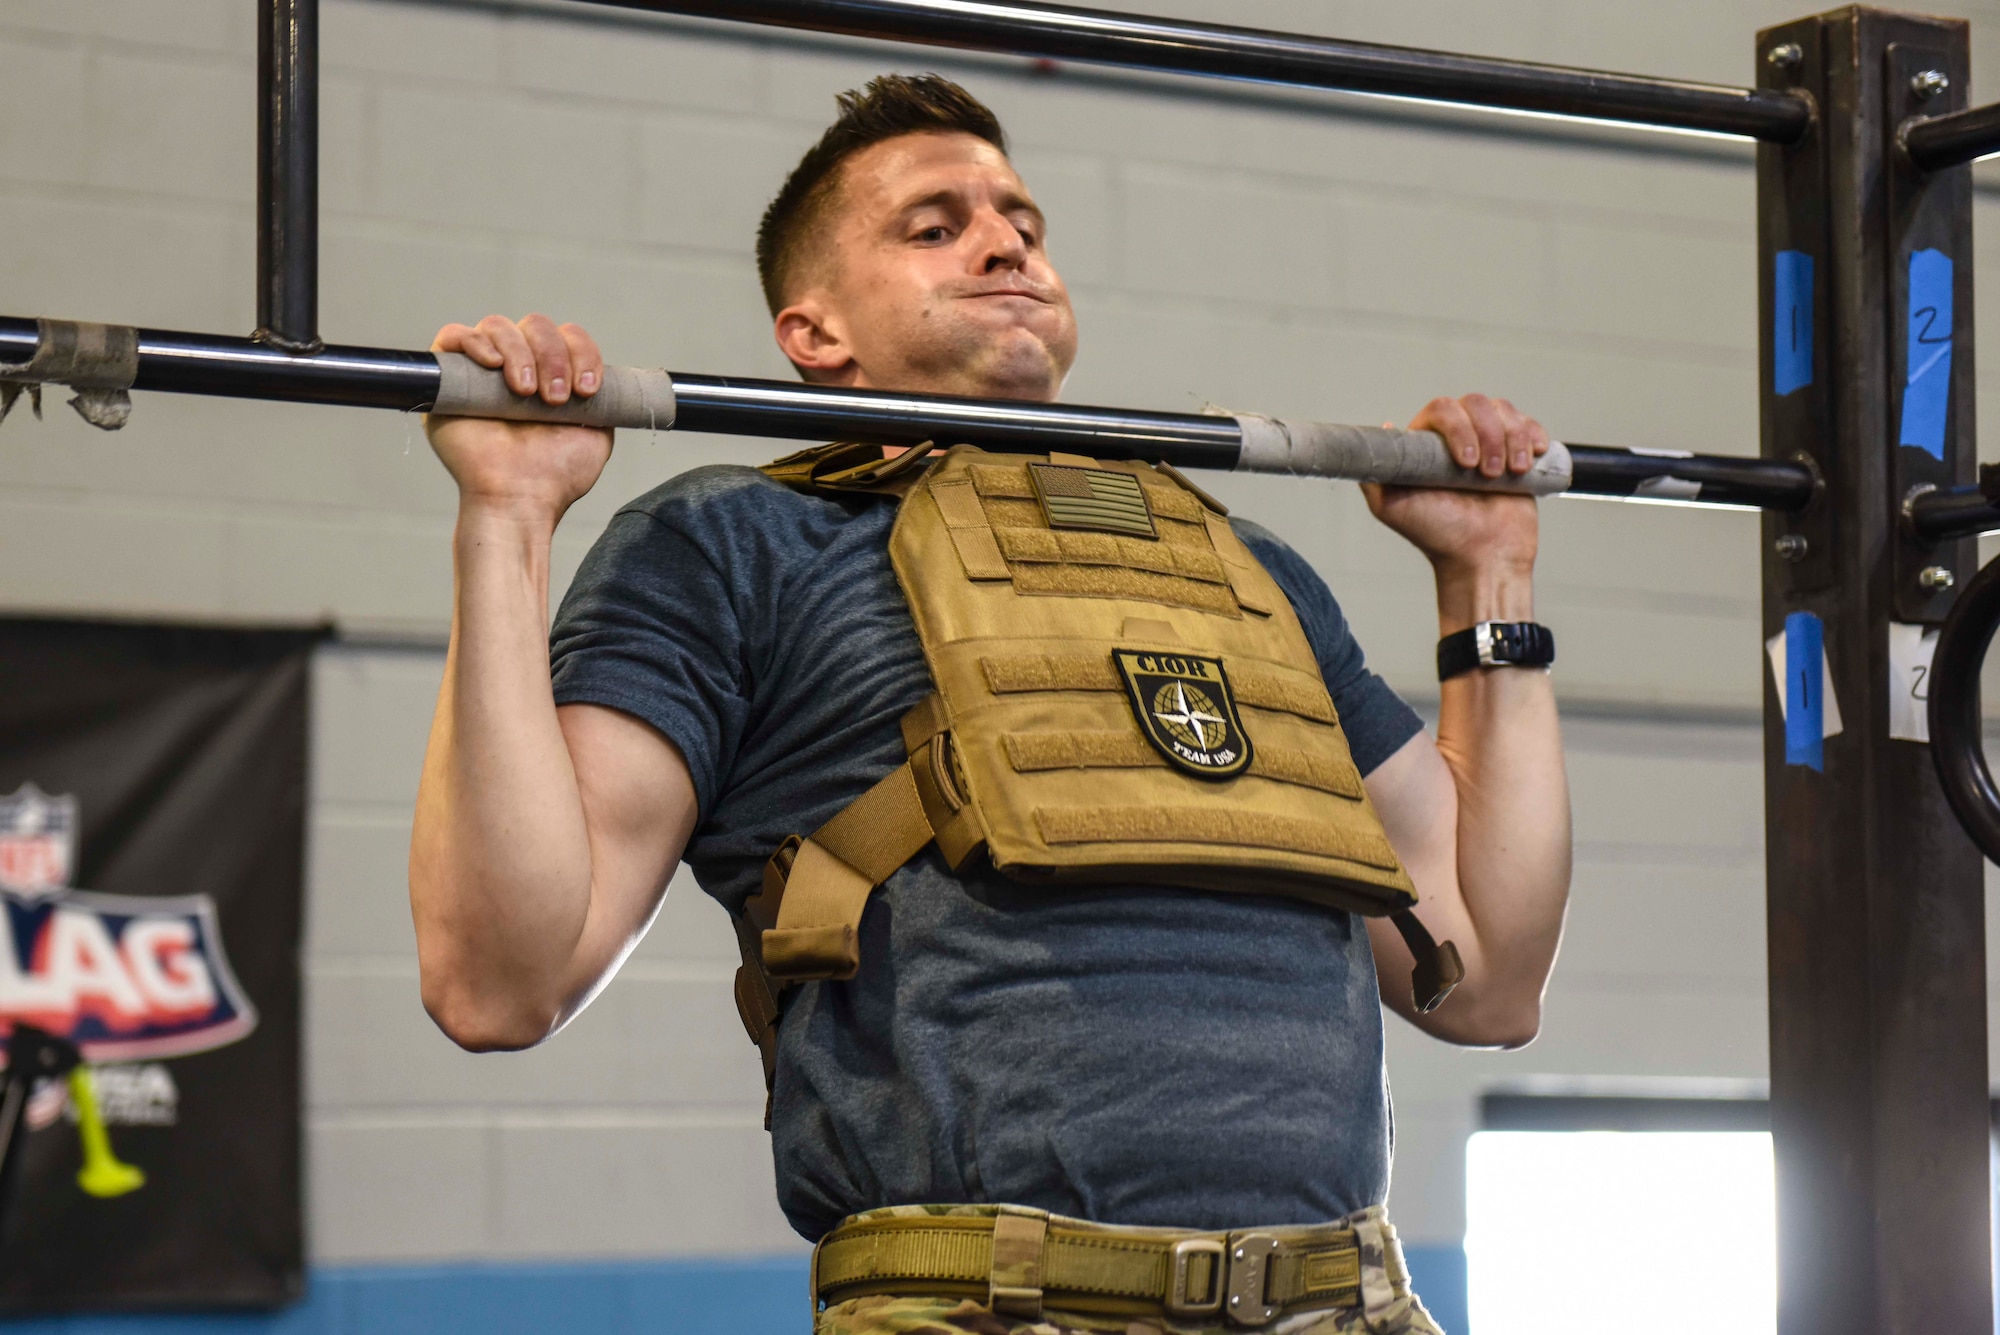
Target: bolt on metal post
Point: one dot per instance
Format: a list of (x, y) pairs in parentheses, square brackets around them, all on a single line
[(1930, 83)]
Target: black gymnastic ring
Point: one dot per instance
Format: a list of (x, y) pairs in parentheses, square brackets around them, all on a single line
[(1956, 744)]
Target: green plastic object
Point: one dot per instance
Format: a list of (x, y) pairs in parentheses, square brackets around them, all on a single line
[(103, 1174)]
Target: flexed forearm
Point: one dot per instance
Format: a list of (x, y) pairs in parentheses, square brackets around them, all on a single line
[(500, 855), (1499, 736), (544, 836), (1481, 822), (1481, 817)]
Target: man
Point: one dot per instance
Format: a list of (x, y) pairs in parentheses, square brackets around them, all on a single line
[(729, 669)]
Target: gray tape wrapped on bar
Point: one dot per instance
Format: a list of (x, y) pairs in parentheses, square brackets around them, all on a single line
[(98, 361), (1381, 454), (628, 397)]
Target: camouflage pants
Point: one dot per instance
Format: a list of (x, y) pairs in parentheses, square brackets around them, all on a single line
[(1387, 1308)]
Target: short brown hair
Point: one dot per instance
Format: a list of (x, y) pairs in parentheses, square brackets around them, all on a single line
[(890, 106)]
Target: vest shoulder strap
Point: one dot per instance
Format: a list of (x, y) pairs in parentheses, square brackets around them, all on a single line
[(850, 467)]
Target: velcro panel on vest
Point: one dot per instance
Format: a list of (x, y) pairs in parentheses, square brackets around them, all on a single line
[(1210, 825), (1030, 752), (971, 535), (1081, 581), (1009, 482), (819, 919), (1181, 567), (1050, 547), (1016, 673), (1241, 565)]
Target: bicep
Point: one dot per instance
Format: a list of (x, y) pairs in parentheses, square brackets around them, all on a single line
[(1414, 796), (639, 810)]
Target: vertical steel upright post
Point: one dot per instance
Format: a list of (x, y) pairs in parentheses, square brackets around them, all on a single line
[(1875, 908), (288, 174)]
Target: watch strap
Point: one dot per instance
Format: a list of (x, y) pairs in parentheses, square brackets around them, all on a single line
[(1495, 644)]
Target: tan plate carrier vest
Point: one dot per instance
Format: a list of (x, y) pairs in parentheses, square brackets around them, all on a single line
[(1122, 694)]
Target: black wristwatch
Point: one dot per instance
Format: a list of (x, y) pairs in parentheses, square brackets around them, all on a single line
[(1496, 644)]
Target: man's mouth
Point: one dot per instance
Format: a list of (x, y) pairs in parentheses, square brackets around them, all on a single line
[(1022, 292)]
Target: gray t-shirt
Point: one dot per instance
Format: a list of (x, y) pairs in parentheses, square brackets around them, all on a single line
[(1135, 1056)]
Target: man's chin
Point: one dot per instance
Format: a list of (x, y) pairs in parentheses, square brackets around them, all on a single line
[(1017, 366), (973, 359), (1038, 382)]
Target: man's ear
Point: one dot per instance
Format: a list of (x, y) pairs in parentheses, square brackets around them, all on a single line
[(810, 336)]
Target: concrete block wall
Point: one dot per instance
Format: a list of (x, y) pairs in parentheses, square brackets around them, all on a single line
[(1324, 256)]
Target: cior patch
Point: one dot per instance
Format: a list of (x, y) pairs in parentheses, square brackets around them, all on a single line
[(1185, 709)]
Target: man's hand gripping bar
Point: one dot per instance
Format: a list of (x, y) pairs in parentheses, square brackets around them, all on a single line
[(644, 400)]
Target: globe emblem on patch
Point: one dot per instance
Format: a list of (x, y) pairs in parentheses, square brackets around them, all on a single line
[(1184, 707), (1189, 716)]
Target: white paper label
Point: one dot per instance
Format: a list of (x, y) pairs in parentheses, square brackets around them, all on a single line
[(1665, 488), (1775, 649), (1910, 650)]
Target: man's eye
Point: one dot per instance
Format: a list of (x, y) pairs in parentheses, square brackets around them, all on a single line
[(933, 234)]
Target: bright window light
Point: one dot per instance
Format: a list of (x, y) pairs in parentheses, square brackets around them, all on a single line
[(1585, 1231)]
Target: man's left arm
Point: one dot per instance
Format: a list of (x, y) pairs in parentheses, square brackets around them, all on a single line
[(1481, 816)]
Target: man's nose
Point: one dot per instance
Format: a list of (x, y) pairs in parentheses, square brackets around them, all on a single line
[(1000, 243)]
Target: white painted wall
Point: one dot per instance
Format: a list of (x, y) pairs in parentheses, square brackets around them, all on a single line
[(1295, 254)]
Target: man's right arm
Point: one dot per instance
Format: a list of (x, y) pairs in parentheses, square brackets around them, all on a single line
[(544, 836)]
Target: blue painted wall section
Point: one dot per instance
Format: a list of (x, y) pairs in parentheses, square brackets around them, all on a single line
[(761, 1297), (1437, 1272), (1927, 393), (1792, 332), (706, 1297)]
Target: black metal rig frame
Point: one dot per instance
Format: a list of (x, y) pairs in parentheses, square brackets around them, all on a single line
[(1879, 1097)]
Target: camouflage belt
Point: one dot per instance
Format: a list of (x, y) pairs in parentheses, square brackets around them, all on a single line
[(1018, 1260)]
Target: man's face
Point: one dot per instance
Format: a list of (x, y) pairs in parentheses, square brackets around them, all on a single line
[(935, 278)]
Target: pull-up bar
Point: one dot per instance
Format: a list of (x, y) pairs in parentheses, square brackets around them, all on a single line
[(1937, 142), (1219, 51), (659, 400), (285, 358)]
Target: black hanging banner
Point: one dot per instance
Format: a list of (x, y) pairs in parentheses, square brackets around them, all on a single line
[(152, 824)]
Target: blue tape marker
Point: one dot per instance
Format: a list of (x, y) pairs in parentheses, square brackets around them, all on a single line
[(1792, 334), (1927, 394), (1805, 703)]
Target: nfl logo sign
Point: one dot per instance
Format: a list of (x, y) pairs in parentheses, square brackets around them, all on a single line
[(37, 841)]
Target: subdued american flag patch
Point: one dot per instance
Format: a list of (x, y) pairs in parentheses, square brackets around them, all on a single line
[(1099, 499)]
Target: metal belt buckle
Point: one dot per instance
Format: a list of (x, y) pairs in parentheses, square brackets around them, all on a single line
[(1249, 1274), (1179, 1301)]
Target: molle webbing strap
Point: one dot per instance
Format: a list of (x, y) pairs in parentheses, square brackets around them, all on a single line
[(1030, 752), (1053, 547), (1210, 825), (1009, 482), (1020, 1261), (807, 922), (1091, 581), (1020, 1240), (850, 467), (1236, 559), (818, 929), (1439, 968), (965, 519), (1013, 673)]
